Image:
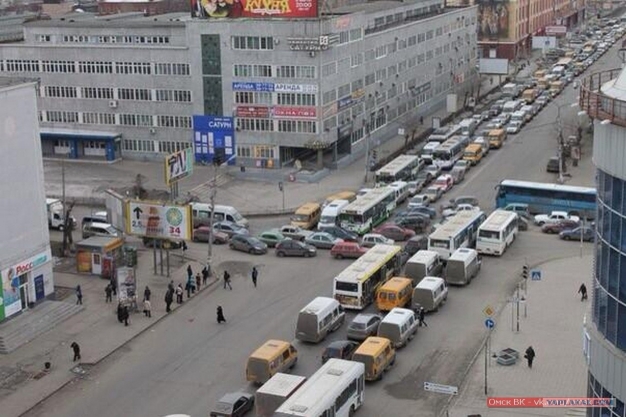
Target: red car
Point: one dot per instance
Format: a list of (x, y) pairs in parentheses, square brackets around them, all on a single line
[(345, 249), (395, 232), (558, 227)]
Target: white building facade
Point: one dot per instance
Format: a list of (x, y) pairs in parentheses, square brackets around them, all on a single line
[(25, 256), (129, 85)]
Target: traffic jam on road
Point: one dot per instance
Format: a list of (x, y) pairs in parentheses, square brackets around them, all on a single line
[(407, 245)]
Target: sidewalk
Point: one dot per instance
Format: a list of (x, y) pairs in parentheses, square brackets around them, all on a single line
[(86, 182), (95, 329), (553, 326)]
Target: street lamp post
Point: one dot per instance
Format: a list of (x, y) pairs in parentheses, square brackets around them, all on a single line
[(367, 150), (212, 193)]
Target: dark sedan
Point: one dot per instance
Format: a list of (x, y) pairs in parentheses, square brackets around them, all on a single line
[(235, 404), (574, 234), (559, 226), (248, 244), (342, 234), (339, 349), (290, 247)]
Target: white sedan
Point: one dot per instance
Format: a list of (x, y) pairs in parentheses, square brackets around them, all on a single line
[(371, 239), (514, 127)]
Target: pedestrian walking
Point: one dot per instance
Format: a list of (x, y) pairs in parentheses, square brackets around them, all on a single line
[(147, 308), (169, 297), (530, 356), (255, 275), (198, 280), (227, 280), (422, 120), (79, 295), (205, 275), (120, 317), (125, 315), (189, 271), (583, 292), (108, 290), (179, 294), (170, 286), (76, 350), (114, 285), (220, 315), (420, 317), (147, 293)]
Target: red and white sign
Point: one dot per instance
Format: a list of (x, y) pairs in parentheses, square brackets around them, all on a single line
[(254, 8), (295, 112), (253, 111), (549, 402), (556, 30)]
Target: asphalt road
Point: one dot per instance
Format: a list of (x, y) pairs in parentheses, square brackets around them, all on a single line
[(188, 361)]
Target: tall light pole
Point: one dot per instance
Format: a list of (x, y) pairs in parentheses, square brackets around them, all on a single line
[(212, 192), (366, 126)]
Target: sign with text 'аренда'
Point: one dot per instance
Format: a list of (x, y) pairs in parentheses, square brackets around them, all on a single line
[(159, 221)]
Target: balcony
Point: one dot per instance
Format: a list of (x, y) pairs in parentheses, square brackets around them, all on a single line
[(608, 103)]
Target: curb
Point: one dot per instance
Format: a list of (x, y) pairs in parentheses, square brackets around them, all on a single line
[(73, 379)]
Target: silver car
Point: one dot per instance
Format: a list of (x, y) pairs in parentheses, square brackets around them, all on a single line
[(363, 326)]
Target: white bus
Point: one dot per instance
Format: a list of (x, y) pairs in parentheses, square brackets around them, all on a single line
[(446, 155), (458, 232), (403, 168), (355, 287), (336, 389), (368, 211), (444, 133), (497, 232)]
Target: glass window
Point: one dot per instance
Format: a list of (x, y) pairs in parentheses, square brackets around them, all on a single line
[(604, 269), (621, 329), (616, 223), (617, 194), (614, 265), (601, 301), (606, 225), (608, 187)]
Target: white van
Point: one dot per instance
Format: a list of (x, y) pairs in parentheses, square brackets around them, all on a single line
[(430, 293), (424, 263), (426, 154), (99, 229), (511, 106), (484, 142), (321, 316), (468, 126), (330, 214), (399, 326), (401, 189), (519, 116), (462, 266), (201, 213)]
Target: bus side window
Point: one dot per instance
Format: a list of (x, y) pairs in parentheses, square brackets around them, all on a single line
[(285, 355), (230, 218)]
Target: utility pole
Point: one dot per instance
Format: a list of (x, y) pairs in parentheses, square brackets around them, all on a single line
[(212, 192), (367, 151)]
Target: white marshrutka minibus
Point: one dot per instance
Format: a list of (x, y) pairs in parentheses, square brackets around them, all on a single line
[(497, 232)]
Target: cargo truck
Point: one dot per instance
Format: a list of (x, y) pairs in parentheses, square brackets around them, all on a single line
[(274, 392)]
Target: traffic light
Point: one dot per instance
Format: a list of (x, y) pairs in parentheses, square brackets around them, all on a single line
[(374, 154), (525, 271)]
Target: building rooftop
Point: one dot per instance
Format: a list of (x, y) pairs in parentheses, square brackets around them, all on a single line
[(12, 81), (115, 20), (369, 7), (616, 88)]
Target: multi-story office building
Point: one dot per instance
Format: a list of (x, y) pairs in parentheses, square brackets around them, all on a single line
[(25, 256), (129, 85), (506, 28), (603, 97)]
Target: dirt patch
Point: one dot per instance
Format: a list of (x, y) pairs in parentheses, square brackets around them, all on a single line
[(11, 378)]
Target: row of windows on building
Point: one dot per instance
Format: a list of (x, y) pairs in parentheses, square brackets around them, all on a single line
[(168, 147), (110, 93), (93, 67), (348, 64), (274, 71), (267, 98), (596, 390), (270, 125), (397, 19), (105, 39), (121, 119)]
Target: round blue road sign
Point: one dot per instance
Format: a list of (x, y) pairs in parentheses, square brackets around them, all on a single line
[(490, 323)]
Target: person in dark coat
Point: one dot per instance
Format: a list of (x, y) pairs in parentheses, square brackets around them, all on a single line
[(205, 275), (255, 275), (420, 317), (227, 280), (120, 316), (220, 315), (108, 290), (76, 350), (583, 292), (170, 286), (530, 356), (125, 315), (189, 271), (147, 293), (169, 297), (79, 295), (114, 285)]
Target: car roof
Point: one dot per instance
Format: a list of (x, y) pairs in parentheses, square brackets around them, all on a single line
[(364, 317), (339, 343)]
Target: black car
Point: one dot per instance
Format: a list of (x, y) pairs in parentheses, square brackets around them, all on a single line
[(340, 349), (416, 222), (341, 233), (415, 244), (235, 404), (290, 247)]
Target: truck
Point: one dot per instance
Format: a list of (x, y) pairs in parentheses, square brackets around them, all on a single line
[(275, 391), (54, 212), (529, 95), (511, 90)]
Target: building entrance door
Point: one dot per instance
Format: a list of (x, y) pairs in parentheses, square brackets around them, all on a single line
[(24, 299)]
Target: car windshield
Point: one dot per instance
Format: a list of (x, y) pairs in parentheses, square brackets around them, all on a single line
[(327, 219), (358, 325), (300, 217)]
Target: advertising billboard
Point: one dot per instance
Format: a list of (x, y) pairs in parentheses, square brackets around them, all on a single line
[(493, 19), (214, 135), (497, 66), (281, 112), (262, 112), (158, 220), (178, 165), (254, 8)]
